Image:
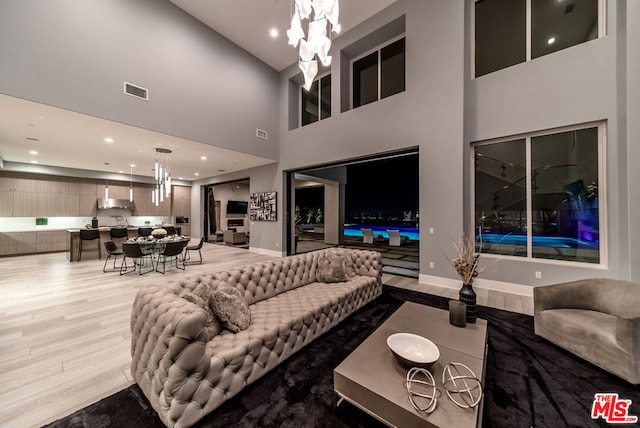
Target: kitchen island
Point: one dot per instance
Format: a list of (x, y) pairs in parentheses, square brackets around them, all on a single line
[(105, 235)]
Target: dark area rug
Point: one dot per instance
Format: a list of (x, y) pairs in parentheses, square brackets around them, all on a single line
[(529, 382)]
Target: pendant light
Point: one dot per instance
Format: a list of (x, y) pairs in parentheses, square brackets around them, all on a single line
[(161, 178), (131, 182)]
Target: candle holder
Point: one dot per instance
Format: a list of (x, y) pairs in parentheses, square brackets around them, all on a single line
[(457, 313)]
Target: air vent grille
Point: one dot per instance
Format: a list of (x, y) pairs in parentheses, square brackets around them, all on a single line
[(136, 91), (261, 134)]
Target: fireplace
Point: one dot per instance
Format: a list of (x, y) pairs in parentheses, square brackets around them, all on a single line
[(235, 222)]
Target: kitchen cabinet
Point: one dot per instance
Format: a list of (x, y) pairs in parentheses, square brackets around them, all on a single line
[(181, 201), (144, 206), (18, 196), (52, 241), (13, 243)]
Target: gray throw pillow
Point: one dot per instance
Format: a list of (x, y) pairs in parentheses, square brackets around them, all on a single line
[(200, 296), (229, 306), (332, 268)]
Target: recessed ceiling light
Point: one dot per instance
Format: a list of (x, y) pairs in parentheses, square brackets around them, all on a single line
[(179, 178), (120, 172), (551, 40), (34, 161), (33, 152), (132, 166), (196, 174), (108, 140), (274, 33), (203, 157)]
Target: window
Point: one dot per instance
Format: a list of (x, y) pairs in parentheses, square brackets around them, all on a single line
[(316, 102), (502, 28), (379, 74), (537, 196)]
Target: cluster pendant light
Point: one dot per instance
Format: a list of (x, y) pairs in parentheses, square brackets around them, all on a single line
[(322, 17), (161, 178)]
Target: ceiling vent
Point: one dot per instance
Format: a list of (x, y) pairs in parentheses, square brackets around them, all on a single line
[(261, 134), (136, 91)]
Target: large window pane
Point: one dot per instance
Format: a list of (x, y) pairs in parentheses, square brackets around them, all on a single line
[(325, 97), (365, 80), (557, 25), (564, 189), (500, 27), (501, 198), (310, 104), (392, 75)]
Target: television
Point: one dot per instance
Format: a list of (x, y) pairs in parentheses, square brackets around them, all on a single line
[(237, 207)]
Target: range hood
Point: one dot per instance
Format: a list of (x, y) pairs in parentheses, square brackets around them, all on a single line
[(104, 204)]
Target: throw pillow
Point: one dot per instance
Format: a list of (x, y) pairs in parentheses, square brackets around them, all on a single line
[(198, 296), (331, 268), (229, 306)]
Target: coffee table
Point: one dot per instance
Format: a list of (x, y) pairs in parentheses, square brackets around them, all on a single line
[(373, 380)]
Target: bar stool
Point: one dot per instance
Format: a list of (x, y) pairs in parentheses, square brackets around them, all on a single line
[(118, 233), (89, 235)]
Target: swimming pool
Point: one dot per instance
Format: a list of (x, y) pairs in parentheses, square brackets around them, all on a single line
[(413, 233)]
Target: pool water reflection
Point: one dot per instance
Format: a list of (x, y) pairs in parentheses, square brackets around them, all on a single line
[(413, 233)]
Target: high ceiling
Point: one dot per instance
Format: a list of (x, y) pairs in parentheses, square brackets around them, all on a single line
[(68, 139)]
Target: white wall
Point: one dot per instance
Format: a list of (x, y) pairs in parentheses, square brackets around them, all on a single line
[(76, 55), (444, 110)]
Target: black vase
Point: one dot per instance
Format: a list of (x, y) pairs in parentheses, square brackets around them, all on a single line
[(468, 296)]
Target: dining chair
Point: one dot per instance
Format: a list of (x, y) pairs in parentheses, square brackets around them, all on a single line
[(112, 251), (170, 230), (145, 231), (85, 236), (172, 251), (187, 255), (133, 251)]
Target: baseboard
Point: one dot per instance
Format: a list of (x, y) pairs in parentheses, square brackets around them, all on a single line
[(267, 252), (488, 284)]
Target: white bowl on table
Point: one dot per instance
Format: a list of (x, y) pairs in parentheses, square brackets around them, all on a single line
[(413, 350)]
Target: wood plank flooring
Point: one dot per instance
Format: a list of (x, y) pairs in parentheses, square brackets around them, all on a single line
[(64, 328)]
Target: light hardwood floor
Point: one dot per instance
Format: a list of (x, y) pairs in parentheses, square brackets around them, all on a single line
[(64, 328)]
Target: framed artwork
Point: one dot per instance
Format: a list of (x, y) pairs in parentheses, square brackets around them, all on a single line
[(263, 206)]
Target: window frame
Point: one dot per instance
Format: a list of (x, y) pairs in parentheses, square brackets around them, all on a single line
[(602, 194), (377, 49), (602, 32), (318, 79)]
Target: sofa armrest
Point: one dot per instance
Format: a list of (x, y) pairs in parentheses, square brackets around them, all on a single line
[(168, 349), (366, 262)]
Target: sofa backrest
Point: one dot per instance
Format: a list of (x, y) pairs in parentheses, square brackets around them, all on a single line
[(261, 281)]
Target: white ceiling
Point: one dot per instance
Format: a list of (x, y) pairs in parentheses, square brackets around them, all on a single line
[(248, 22), (68, 139)]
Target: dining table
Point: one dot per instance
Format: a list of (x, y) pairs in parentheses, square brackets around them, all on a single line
[(155, 246)]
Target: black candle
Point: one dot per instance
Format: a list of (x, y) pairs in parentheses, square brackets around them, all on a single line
[(457, 313)]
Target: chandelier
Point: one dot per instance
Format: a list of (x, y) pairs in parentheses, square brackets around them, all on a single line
[(322, 16), (161, 178)]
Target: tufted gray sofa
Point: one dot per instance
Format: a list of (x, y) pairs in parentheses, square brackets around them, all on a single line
[(596, 319), (185, 374)]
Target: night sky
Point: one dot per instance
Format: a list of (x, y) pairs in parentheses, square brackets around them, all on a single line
[(378, 188), (387, 187)]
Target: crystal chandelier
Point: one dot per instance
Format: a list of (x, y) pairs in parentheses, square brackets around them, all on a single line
[(320, 15), (161, 178)]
